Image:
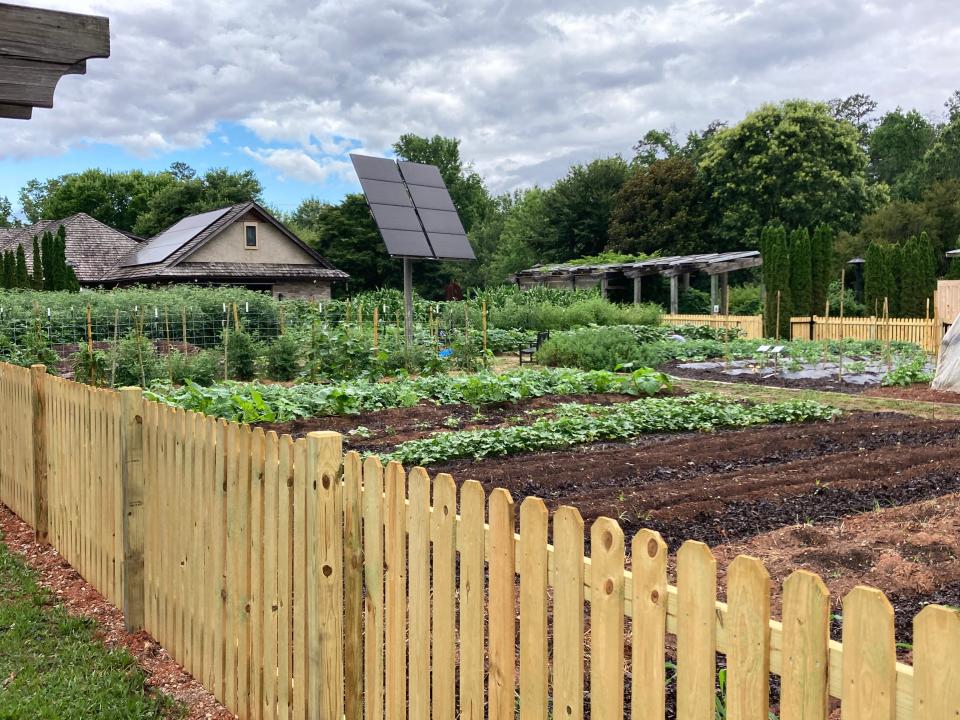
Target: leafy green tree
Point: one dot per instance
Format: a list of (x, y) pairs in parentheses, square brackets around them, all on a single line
[(525, 226), (48, 256), (7, 220), (775, 251), (792, 162), (466, 187), (821, 264), (879, 277), (7, 270), (855, 109), (37, 277), (897, 146), (662, 206), (579, 207), (22, 276), (137, 201), (801, 272), (655, 145)]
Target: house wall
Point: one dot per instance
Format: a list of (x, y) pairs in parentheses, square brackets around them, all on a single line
[(303, 290), (272, 246)]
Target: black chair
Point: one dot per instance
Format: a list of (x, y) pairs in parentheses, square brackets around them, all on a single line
[(531, 350)]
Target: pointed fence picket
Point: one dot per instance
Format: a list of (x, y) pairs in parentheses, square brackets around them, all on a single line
[(295, 581)]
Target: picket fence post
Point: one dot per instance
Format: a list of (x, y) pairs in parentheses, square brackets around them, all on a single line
[(132, 493), (38, 374)]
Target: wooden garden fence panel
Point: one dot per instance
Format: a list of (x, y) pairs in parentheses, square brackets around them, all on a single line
[(295, 582), (925, 332)]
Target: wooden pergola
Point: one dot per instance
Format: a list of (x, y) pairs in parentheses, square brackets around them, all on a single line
[(614, 275), (37, 48)]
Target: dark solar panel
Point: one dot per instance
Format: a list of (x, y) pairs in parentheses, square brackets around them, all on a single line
[(406, 243), (374, 168), (395, 217), (451, 247), (431, 198), (413, 210), (173, 238), (420, 174), (441, 221), (385, 193)]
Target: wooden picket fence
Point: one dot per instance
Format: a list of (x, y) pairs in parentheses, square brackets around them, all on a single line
[(751, 326), (297, 582), (925, 332)]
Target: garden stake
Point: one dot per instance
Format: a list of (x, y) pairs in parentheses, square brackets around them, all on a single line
[(143, 373), (113, 358), (484, 320), (778, 315), (376, 327), (183, 317), (826, 334), (843, 277), (226, 346)]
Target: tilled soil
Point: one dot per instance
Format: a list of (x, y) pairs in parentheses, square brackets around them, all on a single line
[(391, 426), (765, 377), (919, 392), (733, 484), (911, 552)]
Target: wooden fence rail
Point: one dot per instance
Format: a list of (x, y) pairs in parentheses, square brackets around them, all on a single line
[(927, 333), (297, 582)]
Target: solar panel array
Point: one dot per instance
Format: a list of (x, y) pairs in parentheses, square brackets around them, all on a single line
[(413, 209), (173, 238)]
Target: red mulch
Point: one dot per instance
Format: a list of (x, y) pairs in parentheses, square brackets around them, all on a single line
[(82, 599)]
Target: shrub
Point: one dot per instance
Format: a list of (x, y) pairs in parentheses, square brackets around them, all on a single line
[(695, 302), (90, 367), (600, 349), (202, 368), (283, 358), (745, 300), (241, 352), (136, 361)]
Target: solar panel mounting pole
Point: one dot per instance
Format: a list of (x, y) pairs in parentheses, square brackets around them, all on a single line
[(408, 301)]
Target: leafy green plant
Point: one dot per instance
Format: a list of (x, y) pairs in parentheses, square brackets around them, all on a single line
[(283, 357), (241, 352), (135, 361), (910, 372), (90, 366)]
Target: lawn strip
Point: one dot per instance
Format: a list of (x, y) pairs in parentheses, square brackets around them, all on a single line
[(844, 401), (82, 604)]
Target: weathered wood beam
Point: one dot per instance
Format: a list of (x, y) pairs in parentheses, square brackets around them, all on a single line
[(725, 267), (52, 35), (674, 294), (32, 82), (637, 290), (16, 112)]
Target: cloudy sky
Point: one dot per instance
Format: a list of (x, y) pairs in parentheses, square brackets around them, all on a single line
[(289, 88)]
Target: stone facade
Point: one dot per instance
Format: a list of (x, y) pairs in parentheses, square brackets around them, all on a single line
[(302, 290)]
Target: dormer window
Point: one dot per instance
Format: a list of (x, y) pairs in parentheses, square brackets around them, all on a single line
[(250, 236)]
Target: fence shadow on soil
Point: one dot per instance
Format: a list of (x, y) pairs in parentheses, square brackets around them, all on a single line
[(295, 581)]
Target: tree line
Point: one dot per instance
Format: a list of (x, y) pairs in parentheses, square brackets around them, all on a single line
[(870, 177)]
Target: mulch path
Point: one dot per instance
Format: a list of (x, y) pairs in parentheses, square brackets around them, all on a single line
[(82, 599)]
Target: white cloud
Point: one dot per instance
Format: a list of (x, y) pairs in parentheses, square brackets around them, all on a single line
[(528, 86)]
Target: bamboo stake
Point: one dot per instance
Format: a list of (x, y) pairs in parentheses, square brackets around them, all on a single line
[(226, 347), (483, 311), (826, 334), (886, 320), (91, 366), (183, 319), (89, 332), (283, 324), (166, 322), (143, 373), (236, 318), (843, 278), (778, 315), (376, 327)]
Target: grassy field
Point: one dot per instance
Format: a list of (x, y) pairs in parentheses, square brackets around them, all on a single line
[(53, 667)]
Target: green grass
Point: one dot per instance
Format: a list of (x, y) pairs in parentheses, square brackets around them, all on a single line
[(53, 667), (844, 401)]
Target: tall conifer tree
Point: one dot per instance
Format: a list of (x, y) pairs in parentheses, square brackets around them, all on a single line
[(22, 276), (37, 265), (820, 263), (801, 272)]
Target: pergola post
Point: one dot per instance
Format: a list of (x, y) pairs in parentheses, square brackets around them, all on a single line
[(724, 303), (674, 295), (686, 281), (636, 290), (603, 287), (714, 295)]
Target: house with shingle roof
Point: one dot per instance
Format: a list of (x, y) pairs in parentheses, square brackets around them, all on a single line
[(92, 248), (238, 245)]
